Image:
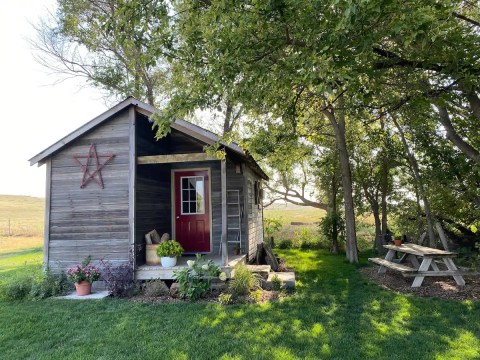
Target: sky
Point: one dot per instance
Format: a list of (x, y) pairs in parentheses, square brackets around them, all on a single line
[(34, 112)]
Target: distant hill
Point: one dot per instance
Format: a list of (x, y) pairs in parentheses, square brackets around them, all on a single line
[(21, 215)]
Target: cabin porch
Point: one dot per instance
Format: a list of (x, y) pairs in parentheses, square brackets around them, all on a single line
[(147, 272)]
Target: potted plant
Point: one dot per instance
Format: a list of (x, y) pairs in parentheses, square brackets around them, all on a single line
[(397, 241), (83, 276), (168, 252)]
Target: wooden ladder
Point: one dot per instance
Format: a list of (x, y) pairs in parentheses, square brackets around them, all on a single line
[(234, 219)]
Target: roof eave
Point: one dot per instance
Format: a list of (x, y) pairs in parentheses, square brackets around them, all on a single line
[(41, 156)]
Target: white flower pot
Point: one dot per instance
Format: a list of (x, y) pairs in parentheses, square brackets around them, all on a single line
[(168, 261)]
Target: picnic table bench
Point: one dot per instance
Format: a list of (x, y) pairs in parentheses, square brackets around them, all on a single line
[(427, 267)]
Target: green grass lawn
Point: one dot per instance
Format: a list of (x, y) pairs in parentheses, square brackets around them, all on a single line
[(335, 314)]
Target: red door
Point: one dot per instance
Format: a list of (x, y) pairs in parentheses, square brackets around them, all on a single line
[(192, 211)]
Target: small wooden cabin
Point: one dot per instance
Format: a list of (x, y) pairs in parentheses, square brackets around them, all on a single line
[(110, 182)]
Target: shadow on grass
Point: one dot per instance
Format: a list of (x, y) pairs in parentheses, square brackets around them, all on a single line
[(337, 314), (334, 314), (20, 253)]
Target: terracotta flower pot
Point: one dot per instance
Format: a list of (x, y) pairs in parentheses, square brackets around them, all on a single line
[(83, 288), (397, 242)]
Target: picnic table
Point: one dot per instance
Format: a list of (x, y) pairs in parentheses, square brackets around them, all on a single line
[(429, 258)]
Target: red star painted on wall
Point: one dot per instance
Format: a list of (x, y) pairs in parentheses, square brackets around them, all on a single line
[(96, 165)]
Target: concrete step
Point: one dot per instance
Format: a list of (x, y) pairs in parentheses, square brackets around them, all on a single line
[(262, 270), (287, 278)]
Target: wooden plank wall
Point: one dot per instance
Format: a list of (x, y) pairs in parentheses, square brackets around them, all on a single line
[(255, 222), (153, 204), (174, 143), (91, 221), (235, 182)]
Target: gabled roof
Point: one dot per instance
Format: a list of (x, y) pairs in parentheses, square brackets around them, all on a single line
[(183, 126)]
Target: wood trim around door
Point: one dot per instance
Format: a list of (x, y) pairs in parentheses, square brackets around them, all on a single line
[(172, 195)]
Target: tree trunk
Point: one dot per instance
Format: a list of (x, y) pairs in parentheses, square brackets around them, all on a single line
[(339, 129), (334, 211), (150, 96), (378, 228), (227, 123), (420, 227), (372, 199), (471, 96), (384, 193), (421, 189), (456, 139)]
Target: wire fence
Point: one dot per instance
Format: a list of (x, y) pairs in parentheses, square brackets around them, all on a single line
[(24, 227)]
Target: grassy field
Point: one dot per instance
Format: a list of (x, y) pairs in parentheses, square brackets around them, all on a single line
[(286, 213), (21, 215), (309, 216), (335, 314)]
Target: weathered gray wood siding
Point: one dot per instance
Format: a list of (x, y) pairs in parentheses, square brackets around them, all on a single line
[(91, 221), (254, 218), (153, 209), (235, 182)]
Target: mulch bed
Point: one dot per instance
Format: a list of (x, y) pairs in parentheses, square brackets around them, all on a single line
[(438, 287), (266, 296)]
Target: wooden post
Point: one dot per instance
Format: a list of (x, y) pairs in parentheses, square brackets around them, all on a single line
[(46, 229), (224, 212), (442, 235)]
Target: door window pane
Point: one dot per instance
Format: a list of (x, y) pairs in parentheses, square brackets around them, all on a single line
[(193, 190)]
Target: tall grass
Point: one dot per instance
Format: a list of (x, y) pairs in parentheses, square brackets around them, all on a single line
[(21, 215)]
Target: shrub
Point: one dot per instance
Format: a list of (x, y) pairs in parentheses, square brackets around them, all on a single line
[(225, 298), (276, 283), (255, 296), (284, 244), (119, 280), (44, 285), (272, 226), (306, 238), (154, 288), (170, 248), (243, 282), (17, 289), (49, 284), (195, 281)]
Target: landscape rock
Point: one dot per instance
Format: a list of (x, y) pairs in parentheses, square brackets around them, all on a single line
[(174, 289)]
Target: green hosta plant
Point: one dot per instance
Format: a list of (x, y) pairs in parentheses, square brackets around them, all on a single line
[(194, 282), (170, 248)]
